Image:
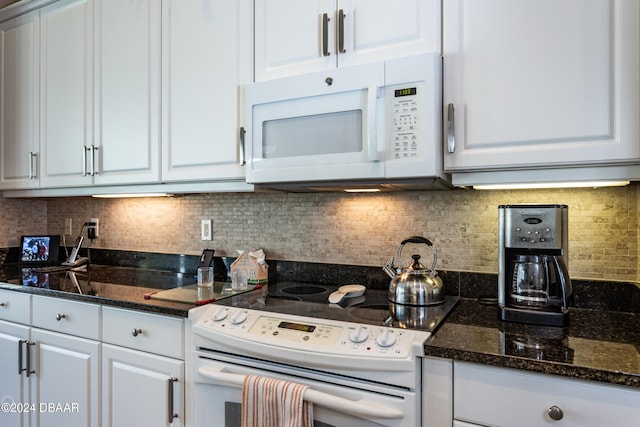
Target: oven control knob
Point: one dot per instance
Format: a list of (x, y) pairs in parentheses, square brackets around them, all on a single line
[(386, 339), (220, 314), (359, 334), (239, 317)]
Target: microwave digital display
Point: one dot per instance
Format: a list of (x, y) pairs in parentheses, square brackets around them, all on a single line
[(405, 92)]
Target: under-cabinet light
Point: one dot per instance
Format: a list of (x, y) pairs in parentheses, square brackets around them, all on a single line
[(125, 195), (539, 185), (361, 190)]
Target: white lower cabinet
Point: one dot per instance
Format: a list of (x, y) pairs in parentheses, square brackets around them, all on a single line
[(48, 377), (141, 388), (500, 397), (65, 389), (14, 384), (142, 369)]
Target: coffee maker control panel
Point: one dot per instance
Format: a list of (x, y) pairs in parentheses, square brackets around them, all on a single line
[(533, 228)]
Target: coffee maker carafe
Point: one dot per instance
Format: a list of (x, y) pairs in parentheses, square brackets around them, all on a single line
[(533, 279)]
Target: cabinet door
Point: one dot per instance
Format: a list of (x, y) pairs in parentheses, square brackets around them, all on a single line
[(293, 37), (66, 78), (19, 142), (127, 103), (137, 388), (541, 83), (374, 30), (206, 55), (66, 389), (13, 385)]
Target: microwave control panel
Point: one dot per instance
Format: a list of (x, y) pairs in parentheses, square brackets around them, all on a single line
[(406, 121)]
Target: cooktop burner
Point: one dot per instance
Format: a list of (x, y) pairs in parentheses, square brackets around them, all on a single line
[(312, 300)]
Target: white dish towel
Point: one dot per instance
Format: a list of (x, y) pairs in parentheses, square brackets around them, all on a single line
[(270, 402)]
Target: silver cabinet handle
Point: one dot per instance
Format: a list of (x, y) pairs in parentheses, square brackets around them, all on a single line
[(84, 161), (28, 345), (28, 368), (93, 160), (20, 368), (341, 31), (451, 137), (171, 414), (136, 332), (32, 170), (555, 413), (325, 35), (60, 316), (243, 158)]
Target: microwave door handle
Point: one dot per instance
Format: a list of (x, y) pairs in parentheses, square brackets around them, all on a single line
[(360, 408), (451, 127), (372, 134), (243, 158)]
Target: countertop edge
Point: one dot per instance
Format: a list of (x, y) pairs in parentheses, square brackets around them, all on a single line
[(155, 307), (550, 368)]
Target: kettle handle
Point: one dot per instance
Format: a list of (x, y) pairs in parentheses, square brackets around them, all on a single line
[(418, 239)]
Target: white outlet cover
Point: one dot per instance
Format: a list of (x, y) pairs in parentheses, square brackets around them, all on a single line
[(206, 229)]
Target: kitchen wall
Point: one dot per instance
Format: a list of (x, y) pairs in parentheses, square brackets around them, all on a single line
[(362, 229)]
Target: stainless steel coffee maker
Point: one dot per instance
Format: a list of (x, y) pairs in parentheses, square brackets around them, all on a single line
[(533, 279)]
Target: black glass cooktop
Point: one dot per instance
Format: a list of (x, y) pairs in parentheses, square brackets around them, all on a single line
[(312, 300)]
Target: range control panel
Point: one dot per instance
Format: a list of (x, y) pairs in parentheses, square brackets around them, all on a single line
[(316, 335)]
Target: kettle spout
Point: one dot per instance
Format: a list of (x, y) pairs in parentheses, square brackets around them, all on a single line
[(389, 269)]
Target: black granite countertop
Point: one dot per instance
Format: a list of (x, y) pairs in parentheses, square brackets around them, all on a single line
[(597, 345), (109, 285), (601, 343)]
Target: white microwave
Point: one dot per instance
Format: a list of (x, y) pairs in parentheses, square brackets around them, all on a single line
[(372, 124)]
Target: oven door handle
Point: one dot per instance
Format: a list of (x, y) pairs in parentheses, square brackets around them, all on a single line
[(360, 408)]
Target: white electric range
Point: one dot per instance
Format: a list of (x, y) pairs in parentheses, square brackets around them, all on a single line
[(361, 366)]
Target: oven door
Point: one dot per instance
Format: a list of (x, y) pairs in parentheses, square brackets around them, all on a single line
[(319, 126), (337, 401)]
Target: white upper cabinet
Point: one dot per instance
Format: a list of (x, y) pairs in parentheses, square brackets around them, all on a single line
[(295, 37), (100, 114), (66, 88), (127, 101), (545, 83), (19, 141), (206, 55)]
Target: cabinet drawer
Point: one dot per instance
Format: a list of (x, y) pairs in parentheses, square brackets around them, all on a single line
[(504, 397), (15, 307), (153, 333), (68, 317)]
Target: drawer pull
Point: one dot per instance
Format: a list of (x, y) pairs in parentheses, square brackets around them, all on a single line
[(136, 332), (555, 413), (59, 316), (3, 304)]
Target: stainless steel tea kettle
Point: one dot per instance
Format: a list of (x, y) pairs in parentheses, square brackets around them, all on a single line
[(415, 284)]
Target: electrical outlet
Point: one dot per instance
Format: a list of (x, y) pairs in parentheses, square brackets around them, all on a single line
[(68, 226), (96, 221), (206, 228)]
